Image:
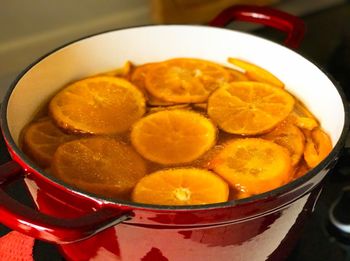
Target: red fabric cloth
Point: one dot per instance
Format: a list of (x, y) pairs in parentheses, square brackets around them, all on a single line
[(16, 247)]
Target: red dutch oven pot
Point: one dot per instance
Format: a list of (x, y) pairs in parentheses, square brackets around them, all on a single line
[(87, 227)]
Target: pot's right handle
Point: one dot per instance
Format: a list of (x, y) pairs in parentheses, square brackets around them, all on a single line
[(293, 26), (33, 223)]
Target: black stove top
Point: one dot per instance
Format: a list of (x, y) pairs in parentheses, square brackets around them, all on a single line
[(327, 43)]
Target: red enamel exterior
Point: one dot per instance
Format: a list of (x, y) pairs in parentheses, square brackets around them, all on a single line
[(208, 233), (90, 228)]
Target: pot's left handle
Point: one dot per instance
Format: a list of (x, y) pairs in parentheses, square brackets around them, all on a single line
[(293, 26), (33, 223)]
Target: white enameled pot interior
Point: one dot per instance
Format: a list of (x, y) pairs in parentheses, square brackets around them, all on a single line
[(139, 45)]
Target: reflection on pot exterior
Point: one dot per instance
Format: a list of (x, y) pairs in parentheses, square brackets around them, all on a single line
[(227, 242), (272, 234)]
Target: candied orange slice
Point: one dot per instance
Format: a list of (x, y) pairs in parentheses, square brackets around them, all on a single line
[(249, 108), (200, 106), (318, 146), (99, 165), (239, 194), (237, 76), (253, 165), (154, 101), (173, 136), (290, 137), (301, 110), (138, 78), (41, 139), (301, 169), (302, 117), (170, 107), (303, 122), (256, 73), (99, 105), (123, 71), (185, 80), (181, 186)]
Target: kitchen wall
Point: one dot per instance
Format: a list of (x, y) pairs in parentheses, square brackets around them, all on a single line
[(29, 29)]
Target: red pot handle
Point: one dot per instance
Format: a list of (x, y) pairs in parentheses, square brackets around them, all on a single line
[(38, 225), (293, 26)]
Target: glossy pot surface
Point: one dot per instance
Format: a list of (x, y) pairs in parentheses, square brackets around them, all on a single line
[(88, 227)]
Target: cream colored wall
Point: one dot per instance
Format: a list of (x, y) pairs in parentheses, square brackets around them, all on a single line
[(29, 29)]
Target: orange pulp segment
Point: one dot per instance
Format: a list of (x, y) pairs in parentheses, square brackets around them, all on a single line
[(173, 136), (138, 78), (318, 146), (256, 73), (185, 80), (41, 139), (98, 105), (253, 165), (290, 137), (181, 186), (99, 165), (249, 108)]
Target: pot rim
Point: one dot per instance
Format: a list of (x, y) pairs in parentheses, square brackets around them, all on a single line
[(278, 191)]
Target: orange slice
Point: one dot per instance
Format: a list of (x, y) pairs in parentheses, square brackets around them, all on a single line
[(301, 110), (318, 146), (170, 107), (237, 76), (185, 80), (200, 106), (249, 108), (154, 101), (290, 137), (41, 139), (302, 117), (99, 165), (99, 105), (303, 122), (301, 169), (173, 136), (256, 73), (239, 194), (123, 71), (253, 165), (138, 78), (182, 186)]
